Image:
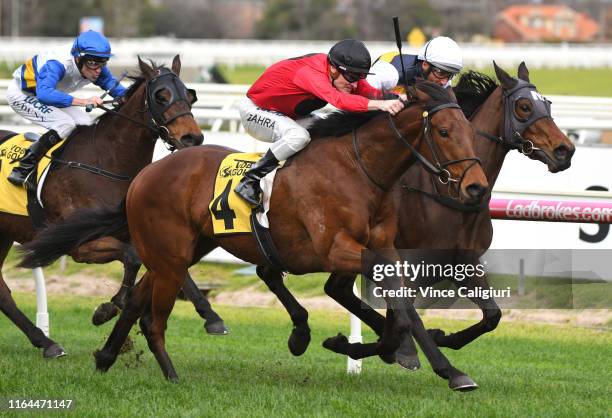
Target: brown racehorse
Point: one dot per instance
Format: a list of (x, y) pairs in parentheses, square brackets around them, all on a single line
[(330, 203), (111, 152), (428, 217)]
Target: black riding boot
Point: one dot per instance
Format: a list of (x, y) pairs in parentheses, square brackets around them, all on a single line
[(248, 188), (27, 165)]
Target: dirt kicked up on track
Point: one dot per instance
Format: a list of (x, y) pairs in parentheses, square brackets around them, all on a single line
[(85, 285)]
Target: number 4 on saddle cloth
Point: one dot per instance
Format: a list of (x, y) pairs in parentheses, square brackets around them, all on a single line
[(14, 199), (232, 215)]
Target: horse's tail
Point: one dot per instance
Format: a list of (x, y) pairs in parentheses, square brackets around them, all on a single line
[(80, 227)]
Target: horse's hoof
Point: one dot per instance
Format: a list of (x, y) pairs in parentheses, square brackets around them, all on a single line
[(216, 328), (337, 344), (388, 358), (104, 313), (298, 342), (462, 383), (103, 361), (437, 335), (408, 361), (53, 351), (172, 379)]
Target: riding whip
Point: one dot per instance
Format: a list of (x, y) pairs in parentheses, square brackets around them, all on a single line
[(90, 107), (398, 40)]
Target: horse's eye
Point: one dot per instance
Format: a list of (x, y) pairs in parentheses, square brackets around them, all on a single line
[(525, 108), (443, 133), (159, 97)]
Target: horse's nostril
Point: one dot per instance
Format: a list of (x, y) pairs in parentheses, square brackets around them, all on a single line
[(561, 153), (476, 191), (192, 140)]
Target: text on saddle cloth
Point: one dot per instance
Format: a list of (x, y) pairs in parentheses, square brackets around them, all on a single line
[(13, 199), (230, 213)]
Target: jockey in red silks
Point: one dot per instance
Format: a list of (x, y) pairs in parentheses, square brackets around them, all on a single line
[(279, 103)]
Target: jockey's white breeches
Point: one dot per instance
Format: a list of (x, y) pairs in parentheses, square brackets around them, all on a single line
[(62, 120), (288, 136)]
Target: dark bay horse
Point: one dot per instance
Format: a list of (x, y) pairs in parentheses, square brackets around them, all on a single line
[(430, 219), (120, 142), (333, 201)]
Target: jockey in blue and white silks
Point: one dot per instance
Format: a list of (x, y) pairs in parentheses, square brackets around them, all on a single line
[(41, 87)]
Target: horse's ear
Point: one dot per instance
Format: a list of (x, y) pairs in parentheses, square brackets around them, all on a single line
[(176, 65), (504, 78), (523, 72), (146, 69)]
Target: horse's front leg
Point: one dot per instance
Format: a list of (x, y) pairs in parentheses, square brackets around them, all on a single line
[(345, 255), (491, 315), (300, 335)]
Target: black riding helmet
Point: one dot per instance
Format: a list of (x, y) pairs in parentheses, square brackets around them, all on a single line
[(350, 55)]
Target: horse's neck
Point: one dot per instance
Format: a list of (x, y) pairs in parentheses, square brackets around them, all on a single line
[(383, 155), (488, 119), (116, 144)]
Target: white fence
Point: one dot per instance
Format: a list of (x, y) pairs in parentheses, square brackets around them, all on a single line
[(584, 117), (204, 52)]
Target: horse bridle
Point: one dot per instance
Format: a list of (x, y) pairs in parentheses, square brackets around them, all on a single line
[(439, 169), (158, 123), (512, 127)]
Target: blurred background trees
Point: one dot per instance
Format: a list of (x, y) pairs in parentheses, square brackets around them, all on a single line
[(270, 19)]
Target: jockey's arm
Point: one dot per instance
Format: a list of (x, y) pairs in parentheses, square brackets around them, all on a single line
[(46, 92), (106, 81)]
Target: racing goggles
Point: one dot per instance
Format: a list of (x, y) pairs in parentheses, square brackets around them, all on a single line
[(352, 77), (441, 74), (94, 63)]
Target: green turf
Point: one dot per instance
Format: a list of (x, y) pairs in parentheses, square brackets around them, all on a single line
[(523, 370)]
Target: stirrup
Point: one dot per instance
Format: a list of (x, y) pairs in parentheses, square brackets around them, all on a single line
[(244, 189)]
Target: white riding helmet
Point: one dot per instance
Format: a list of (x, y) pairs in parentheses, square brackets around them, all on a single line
[(444, 53)]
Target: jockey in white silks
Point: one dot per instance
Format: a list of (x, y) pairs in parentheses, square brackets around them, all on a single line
[(40, 91)]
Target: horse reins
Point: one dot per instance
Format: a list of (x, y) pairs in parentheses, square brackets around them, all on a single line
[(512, 138), (439, 169), (159, 129)]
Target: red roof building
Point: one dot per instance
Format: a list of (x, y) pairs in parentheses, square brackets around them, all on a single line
[(544, 23)]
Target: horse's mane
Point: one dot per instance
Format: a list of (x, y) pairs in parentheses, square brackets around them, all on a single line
[(472, 90), (137, 79), (339, 123)]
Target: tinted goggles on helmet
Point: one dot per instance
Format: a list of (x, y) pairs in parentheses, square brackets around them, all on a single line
[(440, 73), (352, 77), (94, 63)]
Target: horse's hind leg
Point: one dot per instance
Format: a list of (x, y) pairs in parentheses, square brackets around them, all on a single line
[(140, 296), (51, 349), (300, 335), (491, 315), (108, 310), (214, 325)]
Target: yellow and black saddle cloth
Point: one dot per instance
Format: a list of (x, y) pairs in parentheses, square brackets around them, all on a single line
[(232, 215), (14, 199)]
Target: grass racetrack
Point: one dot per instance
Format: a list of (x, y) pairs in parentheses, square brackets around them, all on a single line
[(522, 370)]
